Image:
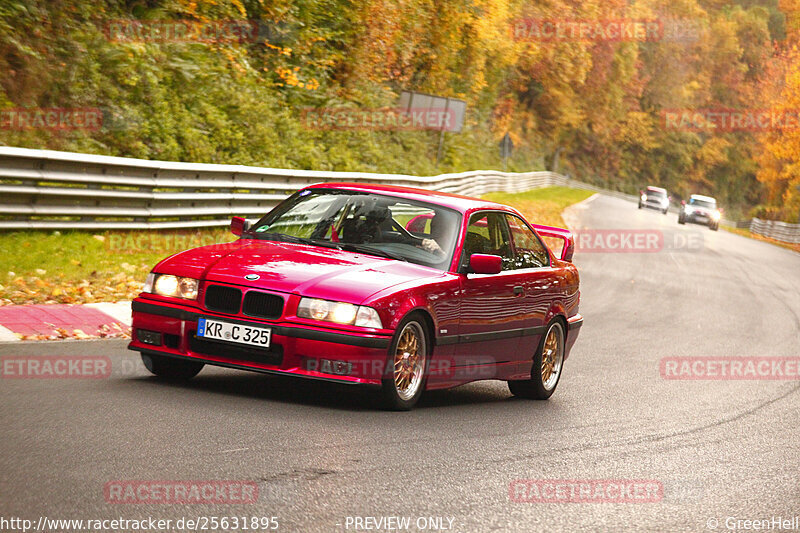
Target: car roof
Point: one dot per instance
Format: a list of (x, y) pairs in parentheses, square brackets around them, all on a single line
[(704, 198), (659, 189), (453, 201)]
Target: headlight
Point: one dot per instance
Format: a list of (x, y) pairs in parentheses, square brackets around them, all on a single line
[(665, 202), (688, 210), (168, 285), (715, 215), (644, 197), (339, 312), (187, 288)]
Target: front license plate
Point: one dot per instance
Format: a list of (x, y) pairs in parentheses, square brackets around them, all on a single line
[(230, 332)]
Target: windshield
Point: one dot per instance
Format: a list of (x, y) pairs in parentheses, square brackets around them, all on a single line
[(651, 192), (387, 226), (702, 203)]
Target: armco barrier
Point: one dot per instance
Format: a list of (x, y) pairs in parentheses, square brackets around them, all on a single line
[(780, 231), (43, 189)]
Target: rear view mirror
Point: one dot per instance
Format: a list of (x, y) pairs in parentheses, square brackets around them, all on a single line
[(485, 264), (239, 225)]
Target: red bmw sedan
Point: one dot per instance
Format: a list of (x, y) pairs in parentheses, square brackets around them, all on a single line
[(397, 288)]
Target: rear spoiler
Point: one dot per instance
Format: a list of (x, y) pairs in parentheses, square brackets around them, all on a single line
[(561, 234)]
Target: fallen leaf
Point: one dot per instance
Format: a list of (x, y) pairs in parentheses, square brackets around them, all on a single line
[(79, 334)]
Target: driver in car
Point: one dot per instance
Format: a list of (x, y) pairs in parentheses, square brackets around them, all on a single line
[(439, 237)]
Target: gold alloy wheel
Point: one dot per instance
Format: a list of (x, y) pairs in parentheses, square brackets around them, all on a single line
[(409, 361), (552, 356)]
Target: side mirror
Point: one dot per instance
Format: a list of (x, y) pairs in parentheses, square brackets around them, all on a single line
[(721, 210), (485, 264), (683, 202), (239, 225)]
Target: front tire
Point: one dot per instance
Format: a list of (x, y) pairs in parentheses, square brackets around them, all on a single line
[(171, 367), (547, 365), (681, 219), (714, 227), (407, 365), (640, 205)]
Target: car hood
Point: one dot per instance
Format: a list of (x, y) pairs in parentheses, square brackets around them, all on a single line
[(295, 268)]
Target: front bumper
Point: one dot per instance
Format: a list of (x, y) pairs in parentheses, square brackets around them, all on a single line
[(654, 204), (698, 218), (312, 352)]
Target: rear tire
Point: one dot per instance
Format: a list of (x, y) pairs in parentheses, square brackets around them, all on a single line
[(407, 365), (548, 363), (171, 367)]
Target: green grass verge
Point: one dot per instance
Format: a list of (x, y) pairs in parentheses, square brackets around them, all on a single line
[(85, 267), (542, 206)]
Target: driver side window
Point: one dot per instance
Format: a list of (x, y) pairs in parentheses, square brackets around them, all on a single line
[(487, 233), (530, 252)]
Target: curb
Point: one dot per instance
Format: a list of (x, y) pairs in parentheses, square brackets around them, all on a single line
[(65, 321)]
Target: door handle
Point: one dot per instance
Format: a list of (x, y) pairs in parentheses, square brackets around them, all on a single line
[(518, 290)]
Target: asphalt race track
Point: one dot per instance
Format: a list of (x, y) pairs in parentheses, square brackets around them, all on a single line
[(721, 449)]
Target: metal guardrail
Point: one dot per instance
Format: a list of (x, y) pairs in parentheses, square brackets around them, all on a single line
[(780, 231), (739, 224), (42, 189)]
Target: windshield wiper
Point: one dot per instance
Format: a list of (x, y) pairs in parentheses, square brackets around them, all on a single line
[(363, 248), (283, 237), (360, 248)]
